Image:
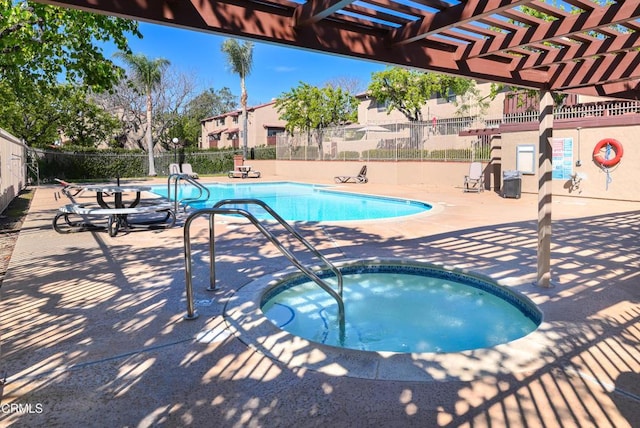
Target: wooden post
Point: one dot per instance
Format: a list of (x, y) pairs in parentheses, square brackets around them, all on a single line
[(545, 189)]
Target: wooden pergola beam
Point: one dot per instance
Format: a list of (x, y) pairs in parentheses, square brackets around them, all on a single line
[(543, 31), (601, 70), (315, 10), (577, 51), (472, 10), (471, 39)]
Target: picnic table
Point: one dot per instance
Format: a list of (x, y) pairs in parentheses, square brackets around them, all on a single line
[(116, 192), (112, 204), (244, 171)]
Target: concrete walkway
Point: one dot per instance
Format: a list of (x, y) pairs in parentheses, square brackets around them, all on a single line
[(93, 334)]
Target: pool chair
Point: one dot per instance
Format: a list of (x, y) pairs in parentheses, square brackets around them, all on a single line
[(361, 178), (70, 189), (186, 169), (244, 171), (174, 168), (474, 182)]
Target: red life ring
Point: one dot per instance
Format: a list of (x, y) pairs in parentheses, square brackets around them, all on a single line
[(598, 156)]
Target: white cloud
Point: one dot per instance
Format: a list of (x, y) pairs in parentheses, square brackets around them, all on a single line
[(284, 69)]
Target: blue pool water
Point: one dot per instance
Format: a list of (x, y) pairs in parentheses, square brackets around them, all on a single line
[(403, 309), (303, 202)]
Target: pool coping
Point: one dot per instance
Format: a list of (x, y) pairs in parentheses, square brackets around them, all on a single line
[(244, 318), (435, 208)]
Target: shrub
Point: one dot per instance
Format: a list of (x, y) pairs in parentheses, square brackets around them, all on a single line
[(81, 163), (349, 155)]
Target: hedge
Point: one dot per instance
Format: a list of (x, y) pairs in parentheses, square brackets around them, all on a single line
[(91, 164)]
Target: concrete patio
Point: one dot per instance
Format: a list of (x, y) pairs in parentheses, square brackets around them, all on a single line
[(93, 334)]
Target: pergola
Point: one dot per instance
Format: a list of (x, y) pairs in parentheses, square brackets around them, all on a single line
[(591, 50)]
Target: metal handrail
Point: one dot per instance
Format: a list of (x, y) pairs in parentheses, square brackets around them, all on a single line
[(179, 176), (289, 229), (211, 212)]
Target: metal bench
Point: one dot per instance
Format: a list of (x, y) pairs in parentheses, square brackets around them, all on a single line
[(117, 218)]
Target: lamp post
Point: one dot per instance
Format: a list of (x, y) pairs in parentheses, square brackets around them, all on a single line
[(175, 142)]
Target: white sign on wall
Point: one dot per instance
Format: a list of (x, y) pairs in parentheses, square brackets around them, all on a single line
[(561, 158)]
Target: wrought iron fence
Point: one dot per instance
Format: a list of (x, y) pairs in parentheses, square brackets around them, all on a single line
[(438, 139), (435, 140)]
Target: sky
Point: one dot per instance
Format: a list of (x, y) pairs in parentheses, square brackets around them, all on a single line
[(276, 69)]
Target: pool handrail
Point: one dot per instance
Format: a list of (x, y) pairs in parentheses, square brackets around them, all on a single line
[(177, 176), (211, 212), (289, 229)]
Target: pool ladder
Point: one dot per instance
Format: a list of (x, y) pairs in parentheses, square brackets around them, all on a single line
[(176, 178), (218, 209)]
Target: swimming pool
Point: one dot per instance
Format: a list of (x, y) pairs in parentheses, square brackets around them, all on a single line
[(304, 202), (396, 308)]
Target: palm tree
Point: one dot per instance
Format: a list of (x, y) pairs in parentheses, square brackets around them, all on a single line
[(147, 75), (240, 61)]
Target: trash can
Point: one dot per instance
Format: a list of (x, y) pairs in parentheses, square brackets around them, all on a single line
[(511, 184)]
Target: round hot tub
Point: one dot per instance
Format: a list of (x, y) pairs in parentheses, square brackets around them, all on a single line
[(402, 308), (403, 320)]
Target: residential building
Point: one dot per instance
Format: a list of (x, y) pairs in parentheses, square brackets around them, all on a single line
[(225, 130), (439, 107)]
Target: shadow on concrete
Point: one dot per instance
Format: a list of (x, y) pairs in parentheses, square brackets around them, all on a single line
[(93, 333)]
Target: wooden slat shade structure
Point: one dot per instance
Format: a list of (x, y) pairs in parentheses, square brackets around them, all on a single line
[(592, 50)]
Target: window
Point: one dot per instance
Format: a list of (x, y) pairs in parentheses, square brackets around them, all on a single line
[(526, 158), (451, 97), (381, 106)]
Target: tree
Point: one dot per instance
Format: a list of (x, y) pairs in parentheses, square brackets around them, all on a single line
[(62, 111), (147, 75), (206, 104), (352, 85), (87, 124), (212, 102), (408, 91), (310, 109), (240, 60), (176, 111), (41, 45)]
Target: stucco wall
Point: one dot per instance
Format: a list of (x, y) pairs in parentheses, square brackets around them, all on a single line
[(371, 112), (258, 118), (265, 167), (624, 178), (12, 168), (623, 184), (401, 173)]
